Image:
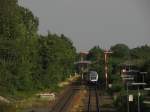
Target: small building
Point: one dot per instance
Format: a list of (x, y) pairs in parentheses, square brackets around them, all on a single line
[(82, 66)]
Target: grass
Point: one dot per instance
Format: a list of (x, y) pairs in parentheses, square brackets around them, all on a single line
[(26, 99), (5, 107)]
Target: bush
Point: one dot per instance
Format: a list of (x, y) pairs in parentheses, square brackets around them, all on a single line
[(5, 107), (116, 88)]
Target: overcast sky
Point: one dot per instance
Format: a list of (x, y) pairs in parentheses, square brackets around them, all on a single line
[(94, 22)]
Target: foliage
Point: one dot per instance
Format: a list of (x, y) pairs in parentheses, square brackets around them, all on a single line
[(28, 61), (116, 87), (56, 57), (142, 52), (120, 51)]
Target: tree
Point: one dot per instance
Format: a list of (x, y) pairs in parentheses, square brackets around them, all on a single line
[(17, 41), (29, 61), (120, 51), (142, 52), (56, 55)]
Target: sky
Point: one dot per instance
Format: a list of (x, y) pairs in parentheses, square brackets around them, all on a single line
[(94, 22)]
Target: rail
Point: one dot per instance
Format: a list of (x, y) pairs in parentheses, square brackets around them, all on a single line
[(63, 103), (93, 100)]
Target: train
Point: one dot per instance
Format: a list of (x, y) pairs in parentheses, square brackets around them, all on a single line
[(92, 77)]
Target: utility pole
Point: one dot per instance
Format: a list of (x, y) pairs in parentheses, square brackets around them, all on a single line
[(106, 54), (139, 94)]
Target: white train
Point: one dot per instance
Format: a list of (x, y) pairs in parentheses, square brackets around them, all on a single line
[(92, 77)]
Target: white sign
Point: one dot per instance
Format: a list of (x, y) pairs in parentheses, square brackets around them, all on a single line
[(130, 98), (110, 85)]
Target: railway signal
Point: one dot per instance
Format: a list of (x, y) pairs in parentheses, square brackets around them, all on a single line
[(106, 54)]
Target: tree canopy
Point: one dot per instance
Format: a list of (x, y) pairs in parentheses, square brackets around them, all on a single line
[(29, 61)]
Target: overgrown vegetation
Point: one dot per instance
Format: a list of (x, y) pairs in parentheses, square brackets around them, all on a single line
[(28, 61)]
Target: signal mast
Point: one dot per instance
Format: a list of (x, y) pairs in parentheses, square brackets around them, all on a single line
[(106, 55)]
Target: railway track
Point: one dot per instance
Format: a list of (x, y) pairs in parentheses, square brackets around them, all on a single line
[(93, 100), (64, 102)]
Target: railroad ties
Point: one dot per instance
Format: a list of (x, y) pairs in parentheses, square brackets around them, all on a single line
[(93, 100), (63, 104)]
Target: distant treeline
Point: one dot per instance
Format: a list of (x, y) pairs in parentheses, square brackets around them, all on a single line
[(122, 54), (29, 61)]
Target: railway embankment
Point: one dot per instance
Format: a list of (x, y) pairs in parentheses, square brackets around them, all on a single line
[(40, 101), (46, 100), (77, 104)]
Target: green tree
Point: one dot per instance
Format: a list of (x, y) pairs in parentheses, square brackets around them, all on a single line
[(141, 53), (120, 51), (17, 41), (57, 56)]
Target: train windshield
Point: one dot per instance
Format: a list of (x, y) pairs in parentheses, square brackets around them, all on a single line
[(93, 78), (93, 73)]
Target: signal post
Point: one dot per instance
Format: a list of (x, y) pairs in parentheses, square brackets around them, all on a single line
[(106, 55)]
